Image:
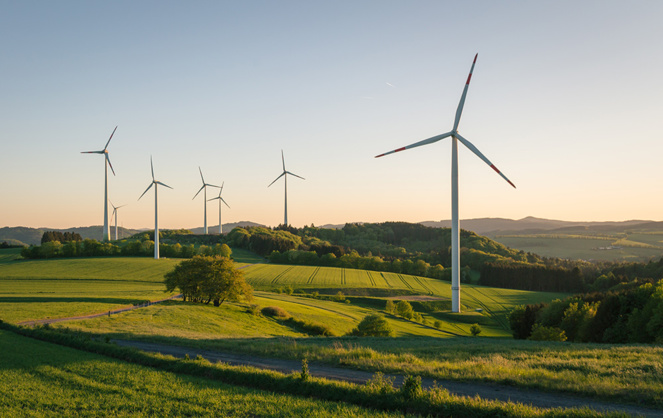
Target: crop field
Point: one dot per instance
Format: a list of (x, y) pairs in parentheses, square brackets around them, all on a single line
[(493, 301), (9, 254), (76, 383), (635, 247)]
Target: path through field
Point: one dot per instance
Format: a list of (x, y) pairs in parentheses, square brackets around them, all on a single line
[(485, 391)]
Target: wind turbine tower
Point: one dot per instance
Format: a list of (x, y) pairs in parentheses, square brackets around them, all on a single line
[(107, 163), (285, 177), (204, 187), (220, 199), (115, 208), (156, 185), (455, 229)]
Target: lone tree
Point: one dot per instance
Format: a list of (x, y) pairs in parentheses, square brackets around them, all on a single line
[(208, 279), (373, 326)]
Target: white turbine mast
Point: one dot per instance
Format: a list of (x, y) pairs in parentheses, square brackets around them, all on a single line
[(455, 229), (220, 199), (156, 185), (284, 175), (107, 163), (115, 208), (204, 187)]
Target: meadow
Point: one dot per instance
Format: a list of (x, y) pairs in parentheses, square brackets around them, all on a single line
[(76, 383), (636, 246)]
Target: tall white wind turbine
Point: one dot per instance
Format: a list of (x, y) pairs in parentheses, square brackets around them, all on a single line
[(156, 185), (455, 230), (285, 176), (107, 163), (220, 199), (204, 187), (115, 208)]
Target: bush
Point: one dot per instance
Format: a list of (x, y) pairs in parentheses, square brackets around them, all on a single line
[(253, 310), (381, 384), (339, 297), (390, 307), (373, 326), (404, 309), (311, 328), (411, 388), (275, 311), (437, 324), (541, 333), (475, 330)]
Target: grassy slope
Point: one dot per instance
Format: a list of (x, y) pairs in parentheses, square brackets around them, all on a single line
[(37, 289), (73, 383)]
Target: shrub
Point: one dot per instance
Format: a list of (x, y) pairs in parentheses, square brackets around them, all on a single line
[(253, 310), (404, 309), (541, 333), (417, 317), (275, 311), (475, 329), (390, 307), (381, 384), (411, 388), (437, 324), (305, 374), (311, 328), (373, 326), (289, 290), (339, 297)]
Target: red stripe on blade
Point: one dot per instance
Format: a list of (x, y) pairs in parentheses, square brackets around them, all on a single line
[(468, 78), (495, 168)]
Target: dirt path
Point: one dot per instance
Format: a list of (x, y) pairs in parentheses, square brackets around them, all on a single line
[(485, 391)]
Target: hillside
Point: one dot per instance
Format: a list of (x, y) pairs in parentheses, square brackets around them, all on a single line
[(32, 236)]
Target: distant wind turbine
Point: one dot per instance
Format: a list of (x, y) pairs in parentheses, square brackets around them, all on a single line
[(115, 208), (156, 185), (107, 163), (284, 175), (455, 230), (220, 199), (204, 187)]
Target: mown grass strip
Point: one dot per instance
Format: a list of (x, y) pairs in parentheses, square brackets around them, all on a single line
[(436, 402)]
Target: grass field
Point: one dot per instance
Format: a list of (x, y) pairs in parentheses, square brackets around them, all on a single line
[(634, 247), (43, 379), (494, 302), (38, 289)]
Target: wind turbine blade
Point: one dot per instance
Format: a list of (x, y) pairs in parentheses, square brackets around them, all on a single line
[(459, 111), (283, 160), (214, 198), (221, 188), (152, 168), (293, 174), (199, 190), (224, 202), (109, 163), (282, 174), (92, 152), (161, 184), (212, 185), (150, 186), (417, 144), (478, 153), (201, 175), (109, 139)]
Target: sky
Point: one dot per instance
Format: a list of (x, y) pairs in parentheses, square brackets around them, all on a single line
[(566, 100)]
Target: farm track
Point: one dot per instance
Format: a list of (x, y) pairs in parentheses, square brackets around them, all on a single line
[(487, 391), (311, 305), (408, 285), (370, 277), (423, 285), (485, 307), (315, 272), (343, 278), (385, 280), (281, 274)]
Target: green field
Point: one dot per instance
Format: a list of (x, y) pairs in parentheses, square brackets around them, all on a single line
[(493, 302), (43, 379), (634, 247), (39, 289)]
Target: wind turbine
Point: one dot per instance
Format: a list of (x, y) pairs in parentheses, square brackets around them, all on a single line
[(106, 232), (156, 185), (205, 195), (220, 199), (115, 208), (284, 175), (455, 230)]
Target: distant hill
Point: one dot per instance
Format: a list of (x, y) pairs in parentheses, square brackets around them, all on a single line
[(214, 229), (532, 225), (32, 236)]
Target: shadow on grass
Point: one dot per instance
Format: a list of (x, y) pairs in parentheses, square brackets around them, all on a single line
[(50, 299)]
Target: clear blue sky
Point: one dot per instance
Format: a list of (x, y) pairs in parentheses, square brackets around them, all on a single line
[(566, 99)]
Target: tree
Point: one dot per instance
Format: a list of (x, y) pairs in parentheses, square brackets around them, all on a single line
[(373, 326), (475, 330), (208, 279), (404, 309), (390, 307)]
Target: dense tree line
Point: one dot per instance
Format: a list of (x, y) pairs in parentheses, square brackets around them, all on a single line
[(132, 248), (629, 312), (49, 236)]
